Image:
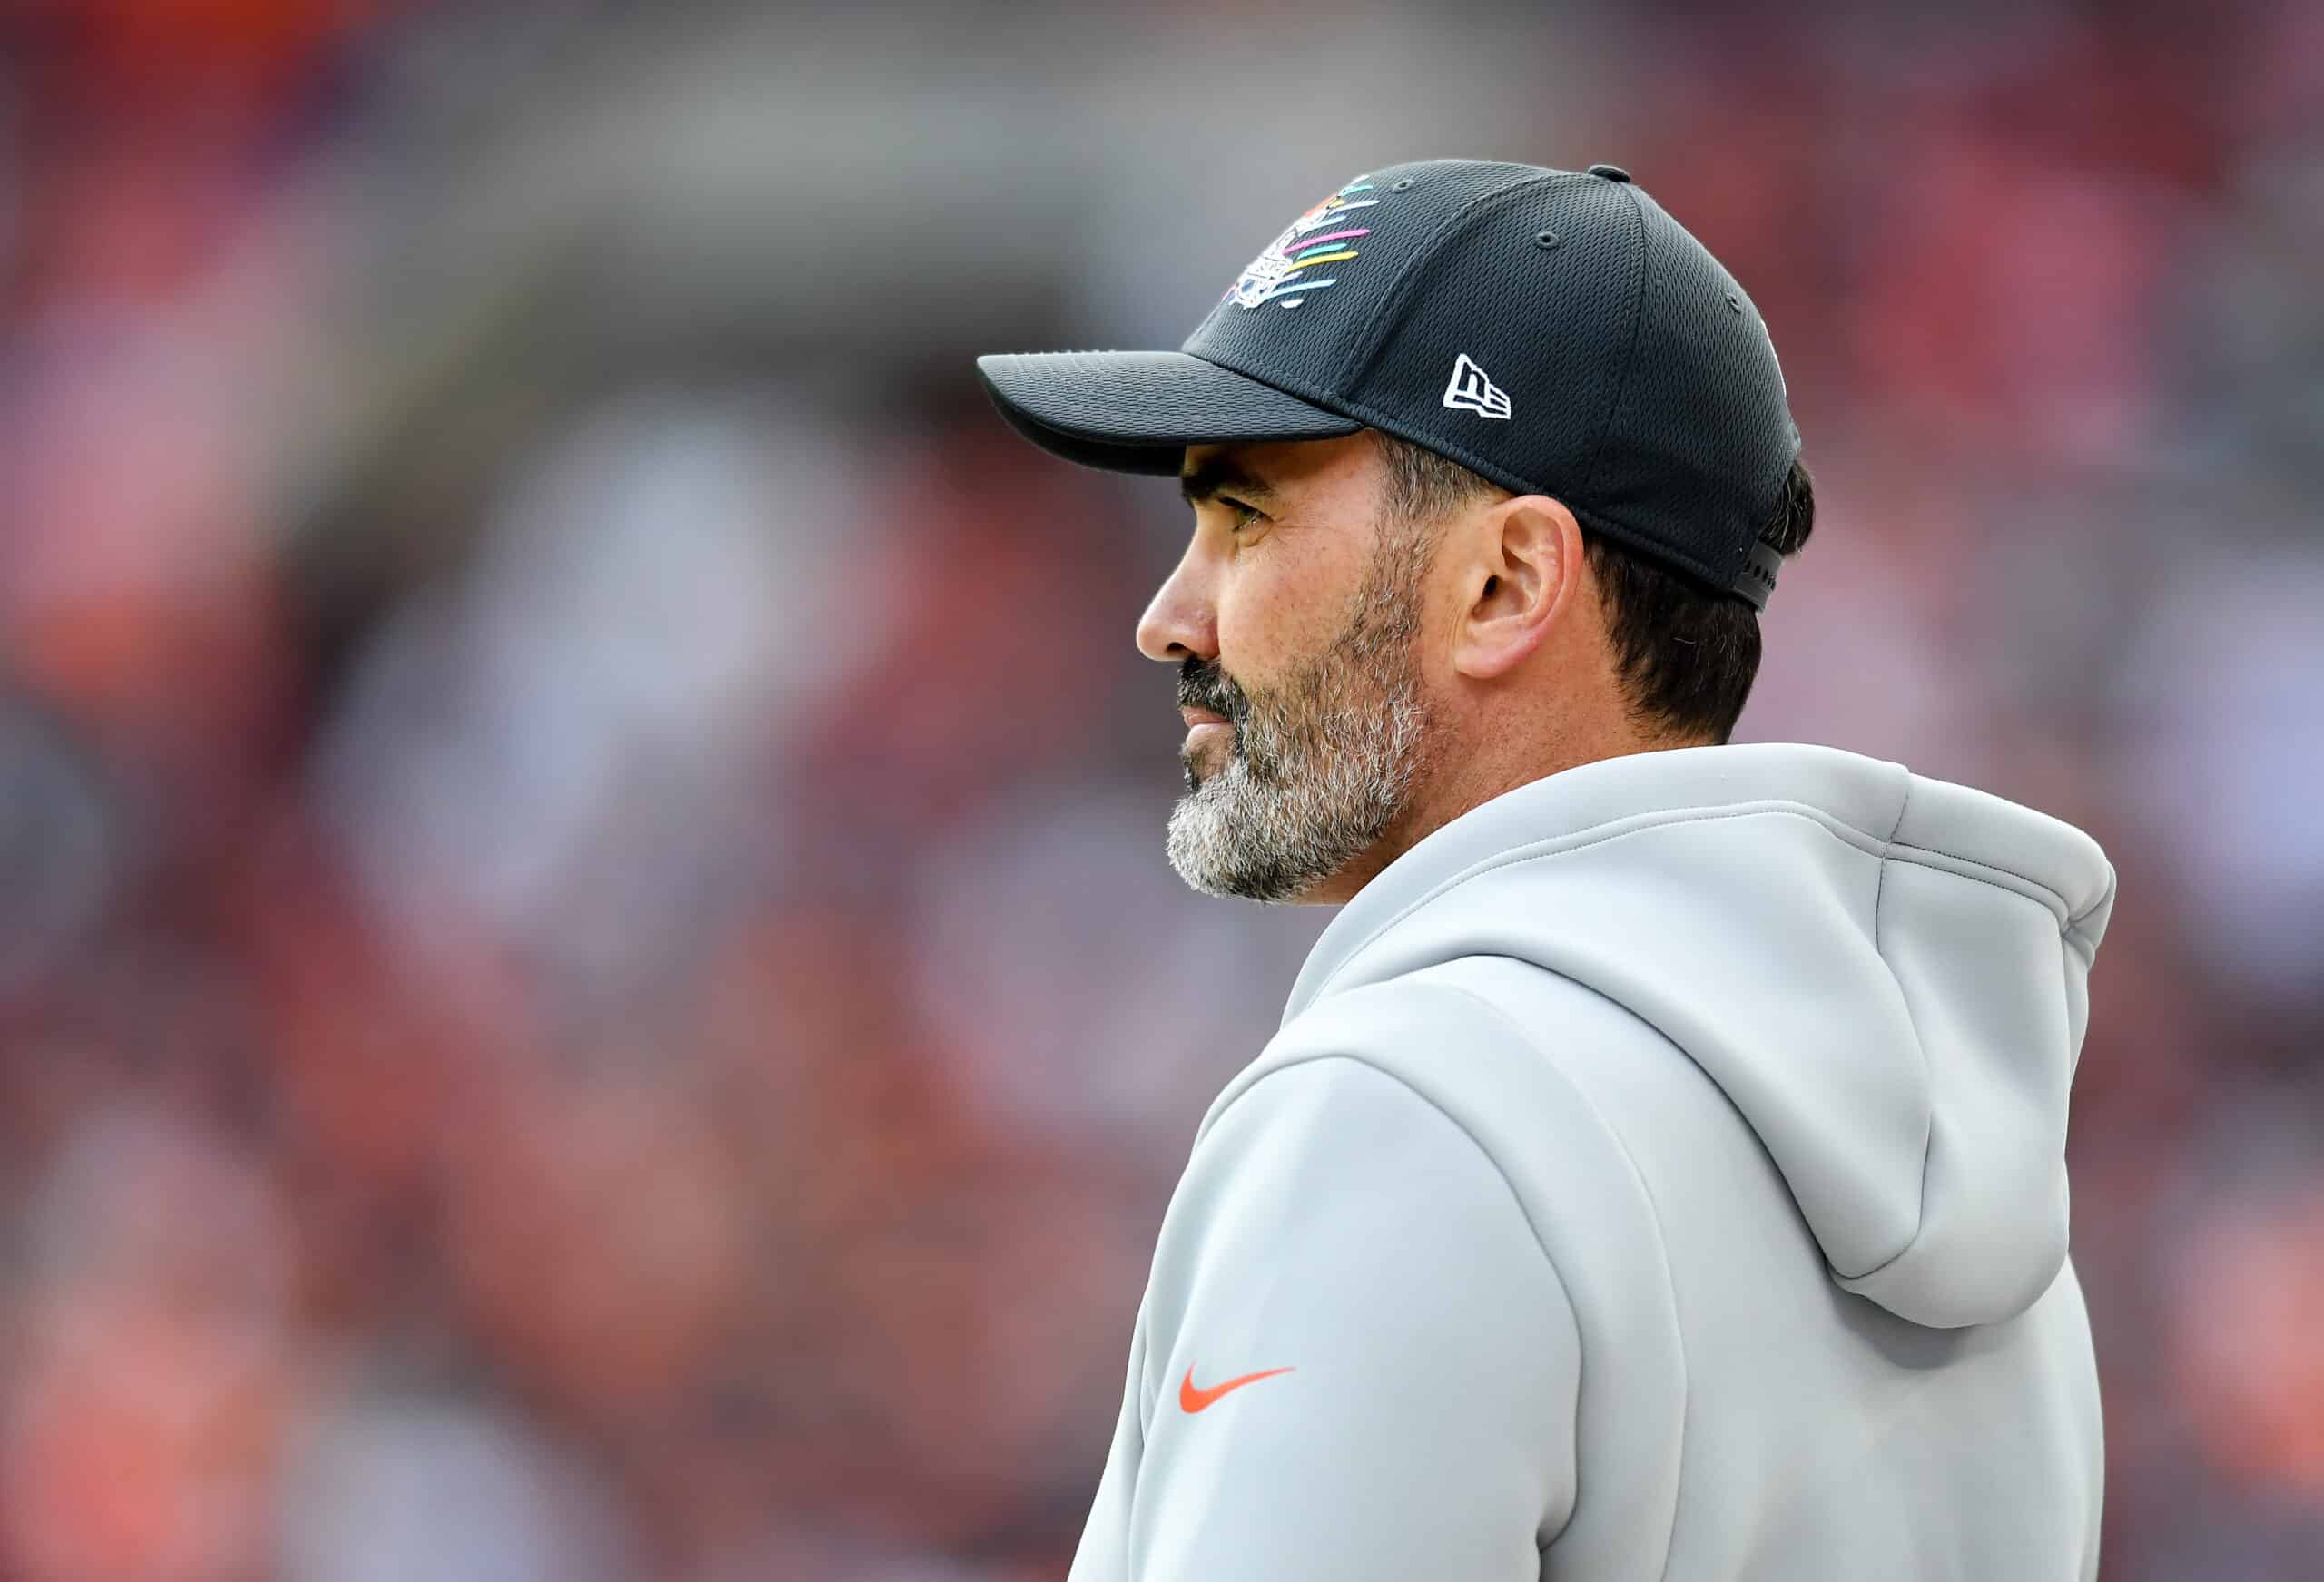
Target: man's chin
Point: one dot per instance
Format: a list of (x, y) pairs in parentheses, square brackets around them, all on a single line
[(1214, 850)]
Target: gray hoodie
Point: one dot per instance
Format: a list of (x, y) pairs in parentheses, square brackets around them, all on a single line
[(1658, 1174)]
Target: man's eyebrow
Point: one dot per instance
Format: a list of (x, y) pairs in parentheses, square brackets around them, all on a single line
[(1215, 475)]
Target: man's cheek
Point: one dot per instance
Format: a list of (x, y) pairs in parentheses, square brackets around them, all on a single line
[(1251, 647)]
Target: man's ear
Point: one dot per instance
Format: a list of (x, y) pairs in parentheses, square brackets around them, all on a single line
[(1524, 576)]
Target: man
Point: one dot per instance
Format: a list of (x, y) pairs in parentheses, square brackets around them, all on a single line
[(1659, 1170)]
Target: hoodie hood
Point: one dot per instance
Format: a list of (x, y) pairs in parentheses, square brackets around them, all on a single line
[(1886, 974)]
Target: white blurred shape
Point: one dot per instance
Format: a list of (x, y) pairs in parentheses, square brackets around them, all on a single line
[(568, 744), (451, 1491), (2226, 770)]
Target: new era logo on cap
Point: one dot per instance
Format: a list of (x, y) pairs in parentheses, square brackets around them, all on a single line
[(1470, 391)]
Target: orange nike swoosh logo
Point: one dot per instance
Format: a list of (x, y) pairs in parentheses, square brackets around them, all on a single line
[(1193, 1400)]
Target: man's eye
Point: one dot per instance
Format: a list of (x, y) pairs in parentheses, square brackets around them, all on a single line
[(1243, 515)]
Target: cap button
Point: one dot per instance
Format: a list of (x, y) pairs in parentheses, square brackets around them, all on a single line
[(1611, 173)]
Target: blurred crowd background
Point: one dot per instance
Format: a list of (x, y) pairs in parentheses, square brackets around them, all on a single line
[(588, 989)]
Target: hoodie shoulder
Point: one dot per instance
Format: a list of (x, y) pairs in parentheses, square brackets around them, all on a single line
[(1582, 1198)]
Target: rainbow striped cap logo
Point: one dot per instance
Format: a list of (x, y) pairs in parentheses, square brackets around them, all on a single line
[(1295, 262)]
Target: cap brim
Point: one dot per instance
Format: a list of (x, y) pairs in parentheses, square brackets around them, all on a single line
[(1137, 411)]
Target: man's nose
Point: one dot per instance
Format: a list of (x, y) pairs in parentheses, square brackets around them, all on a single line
[(1181, 622)]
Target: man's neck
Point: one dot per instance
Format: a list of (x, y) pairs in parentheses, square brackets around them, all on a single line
[(1464, 787)]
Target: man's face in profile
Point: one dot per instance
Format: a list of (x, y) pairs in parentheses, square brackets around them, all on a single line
[(1294, 616)]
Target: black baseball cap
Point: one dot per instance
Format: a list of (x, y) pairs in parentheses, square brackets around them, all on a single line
[(1554, 331)]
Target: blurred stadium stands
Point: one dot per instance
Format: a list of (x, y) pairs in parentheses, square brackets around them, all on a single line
[(588, 984)]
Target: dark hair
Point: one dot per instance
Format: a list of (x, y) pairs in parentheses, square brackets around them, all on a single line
[(1687, 656)]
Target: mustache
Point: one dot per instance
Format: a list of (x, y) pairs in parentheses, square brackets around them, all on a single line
[(1202, 684)]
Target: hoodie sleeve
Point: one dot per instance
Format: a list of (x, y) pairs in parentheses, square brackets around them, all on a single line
[(1356, 1360)]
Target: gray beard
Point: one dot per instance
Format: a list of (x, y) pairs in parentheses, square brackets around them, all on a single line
[(1322, 765)]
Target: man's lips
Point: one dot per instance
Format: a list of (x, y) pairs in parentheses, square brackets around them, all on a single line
[(1194, 716)]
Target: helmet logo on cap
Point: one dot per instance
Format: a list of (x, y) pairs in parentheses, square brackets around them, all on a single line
[(1283, 274)]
